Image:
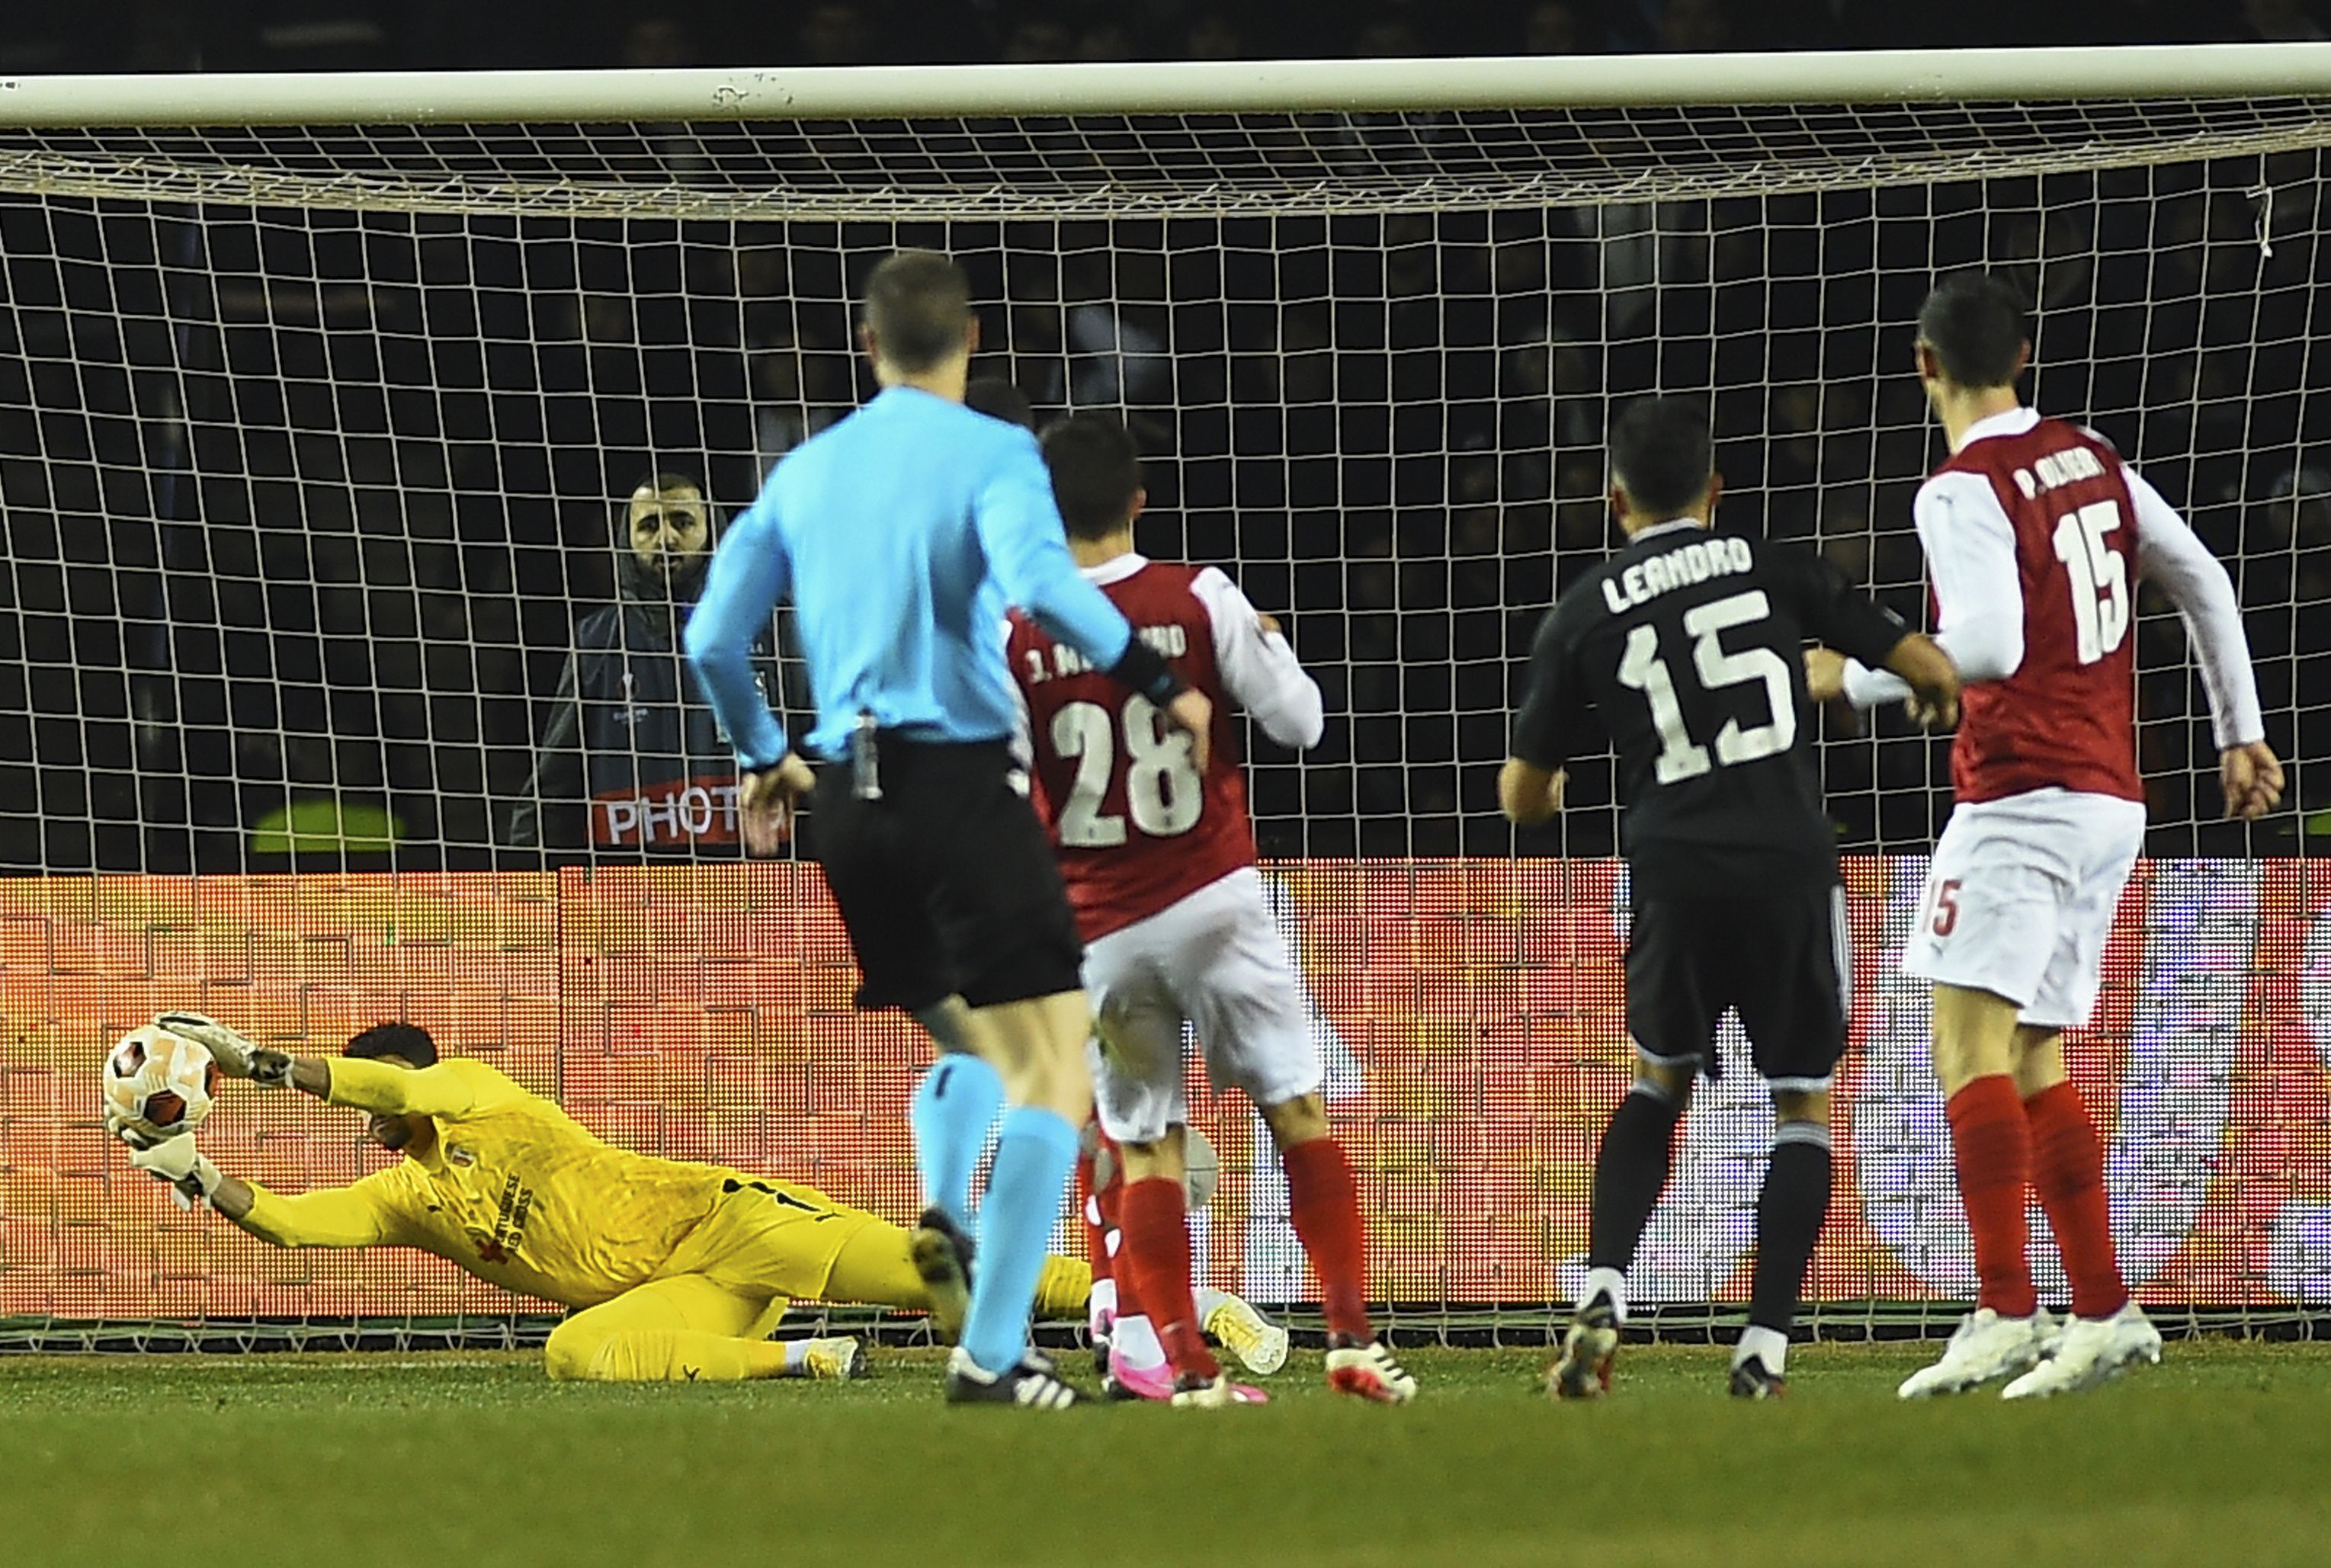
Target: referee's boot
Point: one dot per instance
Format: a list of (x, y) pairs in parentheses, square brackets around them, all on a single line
[(1032, 1383), (942, 1254)]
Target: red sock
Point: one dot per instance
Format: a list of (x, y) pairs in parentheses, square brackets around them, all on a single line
[(1993, 1143), (1324, 1205), (1128, 1284), (2068, 1169), (1157, 1250), (1109, 1247)]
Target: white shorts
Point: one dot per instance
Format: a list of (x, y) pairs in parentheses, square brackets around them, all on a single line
[(2021, 897), (1216, 961)]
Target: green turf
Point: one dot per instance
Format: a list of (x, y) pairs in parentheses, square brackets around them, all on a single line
[(2222, 1454)]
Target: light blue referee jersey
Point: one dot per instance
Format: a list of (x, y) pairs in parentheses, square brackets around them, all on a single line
[(901, 535)]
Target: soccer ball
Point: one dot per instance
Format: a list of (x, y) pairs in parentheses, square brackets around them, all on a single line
[(1202, 1170), (158, 1084)]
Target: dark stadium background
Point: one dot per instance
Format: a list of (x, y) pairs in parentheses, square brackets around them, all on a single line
[(183, 672)]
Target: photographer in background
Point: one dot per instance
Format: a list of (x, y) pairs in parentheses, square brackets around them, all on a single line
[(631, 759)]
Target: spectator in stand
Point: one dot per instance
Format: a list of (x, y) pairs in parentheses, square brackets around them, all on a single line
[(1107, 40), (2281, 22), (1668, 26), (1693, 27), (1039, 41), (1388, 38), (1213, 35), (630, 744), (659, 43), (835, 34), (1557, 27)]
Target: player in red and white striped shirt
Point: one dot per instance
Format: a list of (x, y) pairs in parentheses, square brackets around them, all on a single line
[(1159, 857), (2036, 533)]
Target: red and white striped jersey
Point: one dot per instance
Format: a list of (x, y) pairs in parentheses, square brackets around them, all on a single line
[(1135, 827)]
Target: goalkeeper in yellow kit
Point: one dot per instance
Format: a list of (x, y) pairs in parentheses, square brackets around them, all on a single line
[(676, 1270)]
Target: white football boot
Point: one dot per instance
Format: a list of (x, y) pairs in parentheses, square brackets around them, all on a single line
[(1368, 1371), (2093, 1350), (1260, 1344), (836, 1360), (1214, 1393), (1986, 1346)]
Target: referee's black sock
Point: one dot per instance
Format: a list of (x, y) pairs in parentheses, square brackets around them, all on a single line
[(1630, 1173), (1789, 1215)]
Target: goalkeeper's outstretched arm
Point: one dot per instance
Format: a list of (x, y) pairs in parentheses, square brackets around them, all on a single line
[(355, 1216), (328, 1217), (448, 1089)]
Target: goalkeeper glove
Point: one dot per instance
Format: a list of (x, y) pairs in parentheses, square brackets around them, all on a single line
[(236, 1056), (191, 1175)]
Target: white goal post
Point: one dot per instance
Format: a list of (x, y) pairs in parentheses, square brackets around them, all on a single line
[(2065, 75), (323, 398)]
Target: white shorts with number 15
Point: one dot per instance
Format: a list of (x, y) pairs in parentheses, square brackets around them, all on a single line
[(2021, 897)]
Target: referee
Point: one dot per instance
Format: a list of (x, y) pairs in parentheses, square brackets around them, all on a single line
[(902, 533)]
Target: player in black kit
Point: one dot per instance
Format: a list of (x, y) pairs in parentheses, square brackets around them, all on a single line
[(1689, 645)]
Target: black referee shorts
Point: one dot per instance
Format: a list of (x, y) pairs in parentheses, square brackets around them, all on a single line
[(947, 883), (1780, 958)]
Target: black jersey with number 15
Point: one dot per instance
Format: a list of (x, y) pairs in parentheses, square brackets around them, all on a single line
[(1690, 644)]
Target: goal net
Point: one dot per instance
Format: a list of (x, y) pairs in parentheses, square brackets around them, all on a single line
[(323, 402)]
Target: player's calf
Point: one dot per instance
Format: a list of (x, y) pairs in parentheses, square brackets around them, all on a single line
[(1156, 1250), (1790, 1210), (1323, 1204), (2068, 1174), (1099, 1178)]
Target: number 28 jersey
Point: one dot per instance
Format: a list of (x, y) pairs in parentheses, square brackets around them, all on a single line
[(2066, 718), (1690, 645), (1136, 826)]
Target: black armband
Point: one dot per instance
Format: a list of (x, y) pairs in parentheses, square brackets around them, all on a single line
[(1144, 670)]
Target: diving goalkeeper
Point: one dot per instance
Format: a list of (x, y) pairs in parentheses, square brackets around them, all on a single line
[(677, 1271)]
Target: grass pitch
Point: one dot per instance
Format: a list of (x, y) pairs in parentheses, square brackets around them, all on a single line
[(2220, 1454)]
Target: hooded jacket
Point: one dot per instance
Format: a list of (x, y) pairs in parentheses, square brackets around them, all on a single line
[(631, 760)]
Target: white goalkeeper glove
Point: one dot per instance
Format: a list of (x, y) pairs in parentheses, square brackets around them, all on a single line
[(189, 1172), (236, 1056)]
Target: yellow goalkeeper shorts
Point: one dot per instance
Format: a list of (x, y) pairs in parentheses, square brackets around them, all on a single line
[(767, 1238)]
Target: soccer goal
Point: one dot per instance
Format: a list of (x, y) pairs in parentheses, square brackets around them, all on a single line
[(325, 402)]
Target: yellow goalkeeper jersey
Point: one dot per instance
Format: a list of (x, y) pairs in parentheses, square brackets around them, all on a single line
[(513, 1188)]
